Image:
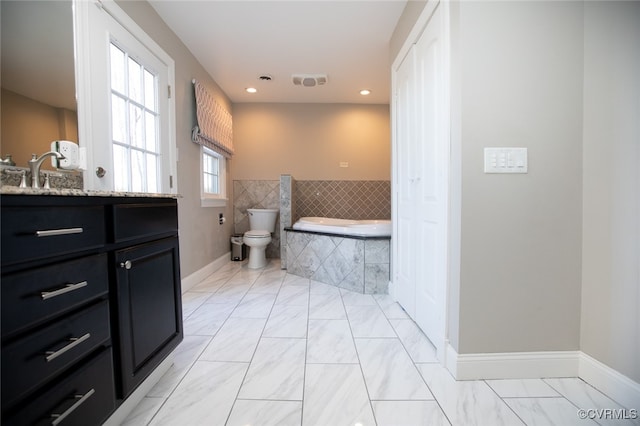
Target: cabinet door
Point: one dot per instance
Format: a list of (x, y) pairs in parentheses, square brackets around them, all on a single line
[(149, 308)]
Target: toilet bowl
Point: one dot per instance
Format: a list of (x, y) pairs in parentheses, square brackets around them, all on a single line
[(262, 222)]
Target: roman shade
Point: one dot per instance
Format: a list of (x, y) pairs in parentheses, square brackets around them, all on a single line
[(215, 125)]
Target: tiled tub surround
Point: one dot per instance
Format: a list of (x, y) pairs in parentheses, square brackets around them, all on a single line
[(256, 194), (287, 212), (353, 263), (343, 199)]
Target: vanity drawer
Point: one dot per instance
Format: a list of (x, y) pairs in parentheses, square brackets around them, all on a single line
[(87, 397), (132, 221), (38, 295), (35, 232), (36, 358)]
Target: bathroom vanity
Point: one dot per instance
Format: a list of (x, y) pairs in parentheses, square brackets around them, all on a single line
[(91, 302)]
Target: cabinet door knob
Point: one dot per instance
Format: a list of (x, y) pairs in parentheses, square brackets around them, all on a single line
[(126, 264)]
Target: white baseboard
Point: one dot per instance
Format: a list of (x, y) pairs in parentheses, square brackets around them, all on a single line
[(615, 385), (538, 365), (204, 272), (516, 365)]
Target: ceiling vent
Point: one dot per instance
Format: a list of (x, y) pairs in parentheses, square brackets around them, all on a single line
[(309, 80)]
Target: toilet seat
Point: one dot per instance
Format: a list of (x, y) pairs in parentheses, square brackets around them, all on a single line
[(257, 234)]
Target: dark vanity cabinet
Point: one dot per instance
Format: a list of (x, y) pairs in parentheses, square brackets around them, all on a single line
[(90, 303)]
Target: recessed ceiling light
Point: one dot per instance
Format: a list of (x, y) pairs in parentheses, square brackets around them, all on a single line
[(365, 92), (251, 90)]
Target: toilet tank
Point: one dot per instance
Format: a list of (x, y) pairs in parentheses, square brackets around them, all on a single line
[(262, 219)]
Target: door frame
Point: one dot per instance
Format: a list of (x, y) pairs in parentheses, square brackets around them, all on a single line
[(453, 180)]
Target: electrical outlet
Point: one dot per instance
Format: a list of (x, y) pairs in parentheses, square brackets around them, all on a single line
[(344, 164)]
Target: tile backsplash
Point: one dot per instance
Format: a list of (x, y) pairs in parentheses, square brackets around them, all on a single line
[(343, 199)]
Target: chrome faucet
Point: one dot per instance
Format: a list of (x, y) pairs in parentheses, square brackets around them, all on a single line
[(35, 163)]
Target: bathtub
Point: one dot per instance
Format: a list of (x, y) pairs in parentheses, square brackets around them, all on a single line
[(357, 228)]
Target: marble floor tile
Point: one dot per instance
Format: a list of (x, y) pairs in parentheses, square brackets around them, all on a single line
[(192, 301), (369, 321), (254, 305), (344, 359), (351, 298), (389, 372), (207, 319), (229, 293), (293, 295), (265, 413), (276, 371), (470, 402), (183, 358), (335, 394), (287, 321), (204, 397), (585, 396), (295, 280), (326, 306), (547, 412), (316, 287), (214, 281), (522, 388), (409, 413), (236, 340), (208, 286), (268, 283), (143, 412), (330, 342), (390, 307), (418, 346)]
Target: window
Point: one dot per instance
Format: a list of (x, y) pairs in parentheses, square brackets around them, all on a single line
[(127, 113), (213, 184), (134, 122)]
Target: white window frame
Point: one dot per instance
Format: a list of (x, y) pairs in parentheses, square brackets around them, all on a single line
[(92, 73), (208, 199)]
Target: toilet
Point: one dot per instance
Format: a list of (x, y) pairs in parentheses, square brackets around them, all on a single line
[(262, 222)]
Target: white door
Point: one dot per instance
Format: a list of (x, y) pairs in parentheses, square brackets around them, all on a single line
[(405, 165), (422, 158), (126, 90)]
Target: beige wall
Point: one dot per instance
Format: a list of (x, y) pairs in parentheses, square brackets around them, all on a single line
[(308, 141), (29, 127), (519, 83), (202, 240), (611, 186)]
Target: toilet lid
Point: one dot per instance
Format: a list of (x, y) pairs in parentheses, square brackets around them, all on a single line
[(257, 234)]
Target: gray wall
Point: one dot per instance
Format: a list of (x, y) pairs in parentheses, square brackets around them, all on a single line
[(549, 260), (611, 186), (202, 240), (520, 78)]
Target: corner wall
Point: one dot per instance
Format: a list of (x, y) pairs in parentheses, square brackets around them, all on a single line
[(610, 329)]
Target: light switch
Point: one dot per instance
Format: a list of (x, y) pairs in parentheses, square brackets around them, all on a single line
[(505, 160)]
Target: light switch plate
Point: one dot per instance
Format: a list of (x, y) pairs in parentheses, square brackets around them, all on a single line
[(505, 160)]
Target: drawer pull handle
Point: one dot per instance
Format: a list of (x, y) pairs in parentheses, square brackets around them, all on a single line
[(57, 418), (73, 342), (126, 265), (54, 232), (66, 289)]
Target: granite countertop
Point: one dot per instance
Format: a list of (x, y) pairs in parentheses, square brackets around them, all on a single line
[(14, 190)]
